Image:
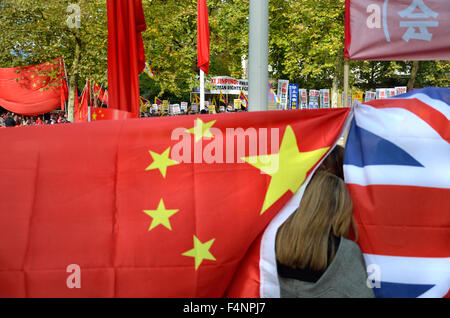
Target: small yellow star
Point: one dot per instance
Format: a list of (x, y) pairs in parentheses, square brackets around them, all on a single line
[(160, 216), (287, 169), (202, 130), (161, 162), (200, 252), (94, 116)]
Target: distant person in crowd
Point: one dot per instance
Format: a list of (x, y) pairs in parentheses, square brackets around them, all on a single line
[(315, 257), (39, 121), (17, 120), (10, 121), (334, 163), (25, 121)]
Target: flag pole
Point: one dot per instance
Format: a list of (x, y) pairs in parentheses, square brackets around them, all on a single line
[(346, 82), (202, 90), (258, 76)]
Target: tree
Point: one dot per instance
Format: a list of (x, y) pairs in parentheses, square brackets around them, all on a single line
[(306, 41), (36, 31), (171, 41), (306, 44)]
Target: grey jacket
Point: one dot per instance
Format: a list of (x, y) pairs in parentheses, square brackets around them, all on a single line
[(346, 276)]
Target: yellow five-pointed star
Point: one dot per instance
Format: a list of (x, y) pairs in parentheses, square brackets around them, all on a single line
[(200, 252), (202, 130), (288, 168), (161, 162), (94, 116), (160, 216)]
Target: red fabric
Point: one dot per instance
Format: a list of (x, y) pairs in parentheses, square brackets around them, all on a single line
[(202, 36), (76, 194), (397, 30), (64, 88), (81, 112), (348, 34), (105, 99), (35, 93), (126, 56), (401, 233), (76, 104), (101, 94), (98, 113)]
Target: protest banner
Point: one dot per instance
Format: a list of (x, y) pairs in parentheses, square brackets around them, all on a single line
[(293, 96), (303, 98), (228, 85), (397, 30), (283, 89), (314, 98), (324, 98)]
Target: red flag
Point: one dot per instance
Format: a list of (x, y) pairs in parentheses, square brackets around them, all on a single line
[(101, 94), (64, 86), (397, 30), (81, 112), (98, 113), (126, 56), (33, 90), (158, 207), (76, 104), (202, 36), (104, 98)]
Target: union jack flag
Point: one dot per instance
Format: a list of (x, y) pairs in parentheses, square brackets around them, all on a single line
[(397, 167)]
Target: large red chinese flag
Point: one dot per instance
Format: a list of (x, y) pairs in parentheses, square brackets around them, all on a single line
[(158, 207), (126, 56), (202, 36), (33, 90)]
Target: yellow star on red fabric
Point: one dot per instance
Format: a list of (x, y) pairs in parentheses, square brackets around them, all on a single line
[(161, 162), (200, 252), (287, 169), (161, 216), (202, 130)]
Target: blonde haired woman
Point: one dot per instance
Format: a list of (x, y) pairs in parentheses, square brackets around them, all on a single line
[(315, 258)]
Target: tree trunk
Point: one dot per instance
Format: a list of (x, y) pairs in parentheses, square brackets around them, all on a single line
[(412, 79), (73, 78), (337, 79)]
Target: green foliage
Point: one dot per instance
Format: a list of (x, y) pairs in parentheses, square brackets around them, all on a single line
[(36, 31), (306, 43), (171, 42)]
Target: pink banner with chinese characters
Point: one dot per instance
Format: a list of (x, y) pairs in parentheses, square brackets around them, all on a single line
[(397, 30)]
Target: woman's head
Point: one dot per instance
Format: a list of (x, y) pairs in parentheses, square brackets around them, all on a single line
[(326, 208), (334, 163)]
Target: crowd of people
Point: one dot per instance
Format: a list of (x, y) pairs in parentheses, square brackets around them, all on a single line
[(14, 120)]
